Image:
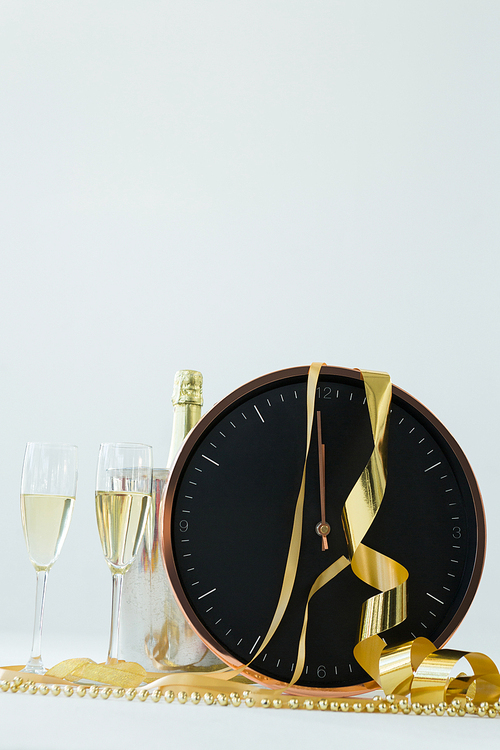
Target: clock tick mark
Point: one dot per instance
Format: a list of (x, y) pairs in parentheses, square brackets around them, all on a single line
[(239, 641), (292, 667), (364, 401), (446, 588), (268, 402), (413, 634), (189, 497), (213, 446), (228, 631), (209, 609), (307, 670), (411, 431), (184, 540), (189, 570), (421, 441), (455, 518), (337, 394), (432, 467), (434, 597), (221, 433), (196, 582), (231, 423), (277, 663), (450, 504), (187, 555), (431, 451), (217, 622), (197, 469), (450, 490), (424, 625), (350, 397), (432, 613), (186, 511), (207, 593), (256, 642), (336, 670), (209, 459), (195, 483), (244, 417), (258, 412), (456, 546), (451, 575), (401, 420), (444, 476), (295, 392), (454, 561), (281, 397), (264, 657), (350, 668)]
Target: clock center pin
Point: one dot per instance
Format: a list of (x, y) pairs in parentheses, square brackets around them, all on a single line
[(322, 528)]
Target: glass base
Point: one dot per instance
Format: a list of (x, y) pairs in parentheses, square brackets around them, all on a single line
[(34, 666)]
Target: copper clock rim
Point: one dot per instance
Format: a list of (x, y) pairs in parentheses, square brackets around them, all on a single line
[(175, 474)]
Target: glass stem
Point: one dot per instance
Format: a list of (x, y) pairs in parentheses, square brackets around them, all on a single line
[(35, 661), (116, 601)]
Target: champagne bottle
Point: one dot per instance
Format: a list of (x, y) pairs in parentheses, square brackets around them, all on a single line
[(154, 632), (187, 400)]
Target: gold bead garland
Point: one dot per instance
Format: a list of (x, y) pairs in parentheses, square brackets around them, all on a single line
[(388, 704)]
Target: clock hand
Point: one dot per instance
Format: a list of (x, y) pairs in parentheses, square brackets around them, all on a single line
[(322, 528)]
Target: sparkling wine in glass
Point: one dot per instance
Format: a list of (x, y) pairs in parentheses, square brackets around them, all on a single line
[(48, 490), (123, 502)]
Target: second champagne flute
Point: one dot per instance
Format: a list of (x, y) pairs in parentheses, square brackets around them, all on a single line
[(123, 500)]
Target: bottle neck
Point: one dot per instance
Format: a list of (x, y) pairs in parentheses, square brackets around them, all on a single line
[(185, 418)]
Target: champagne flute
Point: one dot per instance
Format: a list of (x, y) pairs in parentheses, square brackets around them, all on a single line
[(48, 490), (123, 500)]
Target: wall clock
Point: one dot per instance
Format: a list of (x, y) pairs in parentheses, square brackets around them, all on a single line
[(228, 518)]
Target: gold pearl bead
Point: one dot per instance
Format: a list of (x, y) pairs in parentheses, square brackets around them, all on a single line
[(358, 707), (81, 691), (23, 687), (470, 707), (403, 703), (308, 704), (208, 698), (334, 706), (32, 689), (182, 696), (143, 695), (428, 708), (482, 711), (416, 708), (222, 699), (118, 693), (492, 712), (250, 702), (496, 705), (105, 693), (390, 698), (43, 689), (451, 711), (277, 703), (4, 685), (130, 694), (55, 689), (195, 698), (322, 704), (17, 681), (370, 707), (393, 708), (245, 694), (383, 708), (293, 703), (265, 703), (169, 696), (440, 709), (344, 707), (93, 691), (156, 695), (235, 699)]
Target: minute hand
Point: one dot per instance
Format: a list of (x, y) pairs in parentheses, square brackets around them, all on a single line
[(322, 528)]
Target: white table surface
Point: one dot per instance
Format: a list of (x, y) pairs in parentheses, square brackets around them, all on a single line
[(36, 722)]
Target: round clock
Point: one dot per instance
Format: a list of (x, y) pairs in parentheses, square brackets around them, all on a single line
[(228, 518)]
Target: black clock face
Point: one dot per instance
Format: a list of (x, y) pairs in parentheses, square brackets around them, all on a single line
[(229, 515)]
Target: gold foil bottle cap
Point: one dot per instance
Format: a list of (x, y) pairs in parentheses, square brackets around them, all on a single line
[(188, 387)]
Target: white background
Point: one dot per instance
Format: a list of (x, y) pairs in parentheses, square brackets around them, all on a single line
[(237, 187)]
